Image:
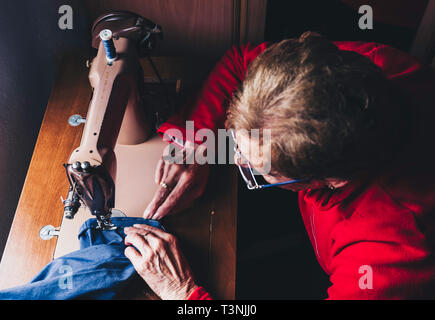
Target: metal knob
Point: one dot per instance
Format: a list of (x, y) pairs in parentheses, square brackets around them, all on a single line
[(76, 120), (48, 232), (86, 165), (77, 165)]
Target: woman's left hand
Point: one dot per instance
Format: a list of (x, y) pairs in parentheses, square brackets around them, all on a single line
[(158, 260)]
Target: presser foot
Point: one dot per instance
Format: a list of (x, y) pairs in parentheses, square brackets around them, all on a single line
[(104, 223)]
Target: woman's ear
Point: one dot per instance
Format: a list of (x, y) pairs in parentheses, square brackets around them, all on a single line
[(336, 183)]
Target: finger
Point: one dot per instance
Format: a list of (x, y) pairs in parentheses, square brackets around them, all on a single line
[(132, 254), (139, 243), (136, 259), (153, 241), (172, 199), (186, 191), (190, 194), (185, 202), (156, 243), (159, 171), (158, 198), (170, 178), (139, 230), (165, 171), (158, 232)]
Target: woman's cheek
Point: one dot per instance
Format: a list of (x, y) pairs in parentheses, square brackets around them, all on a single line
[(270, 179)]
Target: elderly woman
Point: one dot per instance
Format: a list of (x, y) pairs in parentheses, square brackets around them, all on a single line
[(350, 127)]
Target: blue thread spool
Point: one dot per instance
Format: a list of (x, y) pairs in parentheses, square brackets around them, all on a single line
[(109, 46)]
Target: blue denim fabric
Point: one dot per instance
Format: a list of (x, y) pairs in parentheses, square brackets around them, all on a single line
[(99, 270)]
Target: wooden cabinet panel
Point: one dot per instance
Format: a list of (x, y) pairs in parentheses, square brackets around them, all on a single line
[(198, 27), (189, 26)]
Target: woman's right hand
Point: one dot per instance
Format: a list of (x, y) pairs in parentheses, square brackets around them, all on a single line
[(180, 183)]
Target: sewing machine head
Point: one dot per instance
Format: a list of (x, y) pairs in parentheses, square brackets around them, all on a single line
[(116, 112)]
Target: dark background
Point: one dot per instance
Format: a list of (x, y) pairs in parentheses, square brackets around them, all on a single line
[(338, 21)]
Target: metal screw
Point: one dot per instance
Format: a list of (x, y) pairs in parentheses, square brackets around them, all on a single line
[(75, 120), (86, 165), (76, 165)]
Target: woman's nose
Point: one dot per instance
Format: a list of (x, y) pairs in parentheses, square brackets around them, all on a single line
[(236, 159)]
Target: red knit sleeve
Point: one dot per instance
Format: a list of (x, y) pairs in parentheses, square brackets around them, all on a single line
[(200, 294), (210, 108)]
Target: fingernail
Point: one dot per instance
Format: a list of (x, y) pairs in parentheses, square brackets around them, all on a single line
[(147, 211), (138, 225)]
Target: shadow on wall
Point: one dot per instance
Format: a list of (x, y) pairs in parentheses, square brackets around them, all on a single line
[(395, 21), (32, 44)]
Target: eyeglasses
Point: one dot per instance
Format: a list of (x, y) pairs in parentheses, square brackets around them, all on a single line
[(247, 172)]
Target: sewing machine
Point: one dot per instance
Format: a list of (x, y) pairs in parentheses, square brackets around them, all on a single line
[(116, 112), (125, 151)]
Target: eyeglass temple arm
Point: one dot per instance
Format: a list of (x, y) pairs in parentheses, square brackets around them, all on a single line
[(280, 183)]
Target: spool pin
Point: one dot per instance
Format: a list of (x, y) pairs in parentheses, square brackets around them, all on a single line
[(109, 46)]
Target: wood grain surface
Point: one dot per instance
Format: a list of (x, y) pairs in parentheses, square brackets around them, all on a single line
[(39, 205)]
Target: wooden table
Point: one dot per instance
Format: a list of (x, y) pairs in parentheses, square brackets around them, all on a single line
[(207, 230)]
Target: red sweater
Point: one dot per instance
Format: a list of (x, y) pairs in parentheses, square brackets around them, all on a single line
[(374, 237)]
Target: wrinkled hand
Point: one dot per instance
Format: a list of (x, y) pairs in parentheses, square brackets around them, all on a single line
[(159, 262), (179, 184)]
